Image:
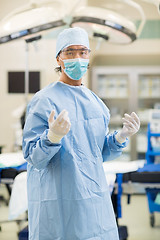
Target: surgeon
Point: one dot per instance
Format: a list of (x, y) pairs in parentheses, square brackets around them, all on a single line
[(65, 142)]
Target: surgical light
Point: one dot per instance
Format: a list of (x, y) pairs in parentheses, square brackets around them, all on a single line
[(29, 22), (106, 24)]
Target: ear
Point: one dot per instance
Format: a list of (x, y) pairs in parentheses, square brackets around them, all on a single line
[(58, 61)]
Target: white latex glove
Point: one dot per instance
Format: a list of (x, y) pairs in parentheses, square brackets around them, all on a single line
[(58, 128), (131, 125)]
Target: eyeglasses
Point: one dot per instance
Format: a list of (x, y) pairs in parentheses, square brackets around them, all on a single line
[(72, 53)]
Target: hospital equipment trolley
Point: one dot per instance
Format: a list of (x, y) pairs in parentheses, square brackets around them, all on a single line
[(151, 154)]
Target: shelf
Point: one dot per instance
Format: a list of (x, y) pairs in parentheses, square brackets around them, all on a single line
[(148, 97), (126, 150), (144, 122), (153, 153), (141, 151), (112, 98), (127, 89), (115, 122), (154, 134)]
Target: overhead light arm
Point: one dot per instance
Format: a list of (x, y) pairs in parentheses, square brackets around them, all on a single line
[(155, 2), (77, 4), (140, 10)]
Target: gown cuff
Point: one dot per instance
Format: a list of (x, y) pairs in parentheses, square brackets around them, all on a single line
[(120, 145)]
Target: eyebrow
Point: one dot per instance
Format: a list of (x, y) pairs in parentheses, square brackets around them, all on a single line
[(72, 49)]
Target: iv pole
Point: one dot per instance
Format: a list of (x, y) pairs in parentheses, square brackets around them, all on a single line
[(26, 82), (26, 78)]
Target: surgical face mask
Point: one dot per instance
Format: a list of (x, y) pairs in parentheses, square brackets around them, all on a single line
[(75, 68)]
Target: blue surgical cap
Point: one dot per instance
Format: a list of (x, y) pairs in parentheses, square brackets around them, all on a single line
[(71, 36)]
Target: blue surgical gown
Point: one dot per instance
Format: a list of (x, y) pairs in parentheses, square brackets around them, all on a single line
[(68, 197)]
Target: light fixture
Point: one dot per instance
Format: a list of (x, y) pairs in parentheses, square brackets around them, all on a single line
[(30, 21), (107, 24)]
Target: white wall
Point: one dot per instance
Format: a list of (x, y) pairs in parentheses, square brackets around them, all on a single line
[(12, 58), (138, 47)]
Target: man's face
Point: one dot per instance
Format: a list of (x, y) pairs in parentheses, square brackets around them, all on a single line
[(72, 52)]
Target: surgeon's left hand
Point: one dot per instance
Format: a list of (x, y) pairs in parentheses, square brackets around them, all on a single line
[(131, 125)]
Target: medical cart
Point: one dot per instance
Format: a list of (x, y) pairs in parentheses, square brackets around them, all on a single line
[(153, 151)]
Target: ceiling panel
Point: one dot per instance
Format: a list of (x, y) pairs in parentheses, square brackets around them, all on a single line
[(150, 10)]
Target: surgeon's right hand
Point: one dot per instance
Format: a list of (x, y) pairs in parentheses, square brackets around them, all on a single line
[(58, 128)]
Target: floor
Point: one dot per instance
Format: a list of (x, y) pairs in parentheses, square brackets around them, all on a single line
[(135, 216), (10, 229)]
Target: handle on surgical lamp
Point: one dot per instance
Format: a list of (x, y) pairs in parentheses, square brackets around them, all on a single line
[(140, 10)]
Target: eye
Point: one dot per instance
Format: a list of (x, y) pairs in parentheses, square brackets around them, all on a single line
[(83, 52), (69, 53)]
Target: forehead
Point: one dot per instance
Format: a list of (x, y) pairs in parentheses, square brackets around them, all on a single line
[(75, 47)]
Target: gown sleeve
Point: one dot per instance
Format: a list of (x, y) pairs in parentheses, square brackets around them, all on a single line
[(112, 148), (37, 149)]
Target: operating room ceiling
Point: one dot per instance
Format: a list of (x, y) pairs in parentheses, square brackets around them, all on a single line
[(117, 21), (150, 10)]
